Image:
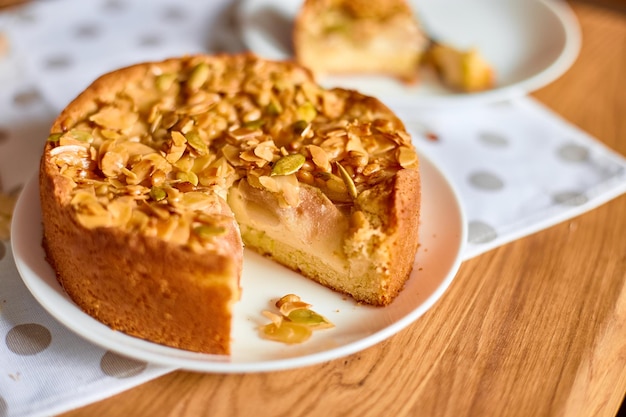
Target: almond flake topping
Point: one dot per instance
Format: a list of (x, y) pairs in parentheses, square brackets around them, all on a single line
[(153, 156), (295, 323)]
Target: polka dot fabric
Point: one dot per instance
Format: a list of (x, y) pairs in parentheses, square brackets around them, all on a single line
[(44, 368), (518, 168), (102, 35)]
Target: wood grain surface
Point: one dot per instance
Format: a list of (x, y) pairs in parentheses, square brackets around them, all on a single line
[(534, 328)]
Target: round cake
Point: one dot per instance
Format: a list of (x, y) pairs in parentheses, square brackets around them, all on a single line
[(156, 175)]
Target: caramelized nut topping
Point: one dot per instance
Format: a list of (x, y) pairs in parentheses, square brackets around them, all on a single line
[(296, 321), (288, 164), (152, 156)]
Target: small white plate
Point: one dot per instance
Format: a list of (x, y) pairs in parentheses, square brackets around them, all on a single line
[(442, 239), (530, 43)]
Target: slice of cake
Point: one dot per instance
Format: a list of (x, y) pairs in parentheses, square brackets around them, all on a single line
[(359, 36), (153, 178)]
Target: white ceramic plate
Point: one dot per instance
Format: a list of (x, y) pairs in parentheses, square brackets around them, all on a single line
[(443, 234), (530, 43)]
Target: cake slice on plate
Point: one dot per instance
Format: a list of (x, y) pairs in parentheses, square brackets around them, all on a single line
[(359, 37)]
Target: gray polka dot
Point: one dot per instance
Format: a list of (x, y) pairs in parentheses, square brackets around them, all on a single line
[(3, 251), (480, 232), (26, 97), (119, 366), (569, 198), (493, 139), (486, 181), (87, 31), (4, 407), (114, 5), (26, 16), (4, 135), (572, 152), (174, 14), (58, 62), (28, 339), (150, 40)]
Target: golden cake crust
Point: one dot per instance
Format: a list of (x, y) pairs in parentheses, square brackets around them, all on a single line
[(144, 301), (404, 226), (165, 267), (126, 280)]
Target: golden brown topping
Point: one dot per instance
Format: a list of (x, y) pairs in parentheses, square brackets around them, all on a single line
[(289, 298), (199, 75), (295, 323), (347, 179), (288, 164), (286, 332), (153, 156)]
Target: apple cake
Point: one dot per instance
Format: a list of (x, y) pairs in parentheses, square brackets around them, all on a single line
[(156, 175), (359, 36)]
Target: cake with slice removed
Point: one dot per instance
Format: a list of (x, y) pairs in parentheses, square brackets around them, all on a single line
[(154, 177)]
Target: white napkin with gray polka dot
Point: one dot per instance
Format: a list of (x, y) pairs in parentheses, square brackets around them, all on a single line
[(517, 166), (518, 169)]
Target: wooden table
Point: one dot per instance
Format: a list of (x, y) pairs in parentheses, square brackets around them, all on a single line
[(533, 328)]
